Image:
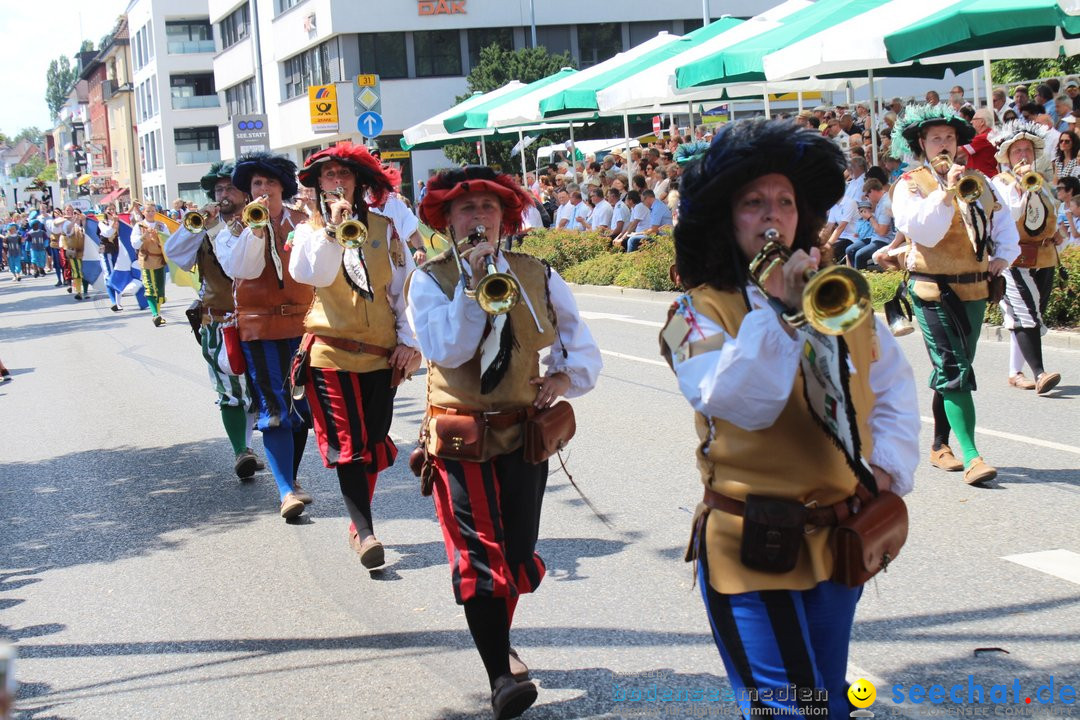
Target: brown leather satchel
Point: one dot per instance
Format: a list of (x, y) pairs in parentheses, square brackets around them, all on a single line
[(548, 431), (870, 538), (1028, 257), (995, 289), (460, 437), (422, 467)]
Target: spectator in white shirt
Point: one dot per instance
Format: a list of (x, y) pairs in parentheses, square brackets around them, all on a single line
[(620, 213), (639, 217), (579, 220), (565, 212), (600, 220)]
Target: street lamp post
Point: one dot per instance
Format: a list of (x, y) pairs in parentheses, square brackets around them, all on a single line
[(705, 11), (532, 12)]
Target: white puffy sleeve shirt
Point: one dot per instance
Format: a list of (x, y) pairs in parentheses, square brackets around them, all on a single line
[(749, 379), (925, 220), (450, 331), (316, 260), (243, 257)]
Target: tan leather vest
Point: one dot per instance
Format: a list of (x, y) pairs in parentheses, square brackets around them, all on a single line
[(792, 459), (264, 309), (217, 287), (954, 255), (74, 242), (151, 254), (460, 387), (341, 312), (1044, 239)]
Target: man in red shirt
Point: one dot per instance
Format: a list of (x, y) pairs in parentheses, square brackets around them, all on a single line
[(979, 151)]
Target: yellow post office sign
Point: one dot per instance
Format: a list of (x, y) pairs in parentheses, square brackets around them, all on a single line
[(322, 100)]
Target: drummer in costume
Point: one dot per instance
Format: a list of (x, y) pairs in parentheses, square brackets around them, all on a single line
[(358, 344), (1031, 278), (485, 370), (783, 413), (958, 244), (147, 238), (270, 309), (190, 248)]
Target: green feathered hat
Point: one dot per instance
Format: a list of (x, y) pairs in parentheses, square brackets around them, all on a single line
[(916, 118), (220, 169)]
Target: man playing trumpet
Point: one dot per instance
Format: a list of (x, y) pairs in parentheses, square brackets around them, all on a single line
[(270, 308), (358, 344), (1030, 279), (189, 247), (958, 244)]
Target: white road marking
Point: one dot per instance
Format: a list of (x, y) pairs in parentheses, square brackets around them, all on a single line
[(1063, 564), (635, 358), (622, 298), (1020, 438), (589, 315)]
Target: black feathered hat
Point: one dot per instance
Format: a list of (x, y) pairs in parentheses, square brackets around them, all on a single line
[(263, 163), (748, 149), (218, 170)]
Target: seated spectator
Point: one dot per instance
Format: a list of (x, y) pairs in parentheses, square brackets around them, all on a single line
[(600, 218), (659, 217), (620, 213), (1065, 160), (639, 217), (579, 219), (879, 217), (980, 151)]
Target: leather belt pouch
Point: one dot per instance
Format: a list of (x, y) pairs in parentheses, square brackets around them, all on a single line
[(230, 336), (194, 315), (772, 535), (1029, 256), (869, 539), (548, 431), (460, 437), (422, 467), (995, 289)]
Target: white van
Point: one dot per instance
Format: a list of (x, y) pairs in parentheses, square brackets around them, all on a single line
[(559, 153)]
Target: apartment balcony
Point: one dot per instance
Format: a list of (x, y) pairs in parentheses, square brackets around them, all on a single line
[(190, 47), (194, 157), (192, 102)]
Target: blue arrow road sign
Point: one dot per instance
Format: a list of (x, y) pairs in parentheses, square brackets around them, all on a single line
[(370, 124)]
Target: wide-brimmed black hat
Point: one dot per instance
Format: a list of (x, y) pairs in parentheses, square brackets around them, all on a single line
[(916, 118), (747, 149), (218, 170), (263, 163)]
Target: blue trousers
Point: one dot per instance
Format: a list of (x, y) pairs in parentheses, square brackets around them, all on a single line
[(860, 252), (784, 648)]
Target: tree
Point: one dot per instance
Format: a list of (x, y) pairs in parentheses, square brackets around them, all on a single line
[(87, 46), (48, 174), (497, 67), (31, 134), (31, 168), (58, 81), (1005, 72)]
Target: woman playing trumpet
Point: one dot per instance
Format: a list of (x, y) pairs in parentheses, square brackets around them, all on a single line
[(357, 344)]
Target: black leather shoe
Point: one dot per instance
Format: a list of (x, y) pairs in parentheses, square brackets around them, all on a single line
[(510, 698), (518, 668)]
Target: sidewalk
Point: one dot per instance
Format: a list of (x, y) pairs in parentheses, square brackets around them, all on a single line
[(1069, 339)]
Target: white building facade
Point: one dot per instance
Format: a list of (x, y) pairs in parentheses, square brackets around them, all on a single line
[(177, 108), (270, 51)]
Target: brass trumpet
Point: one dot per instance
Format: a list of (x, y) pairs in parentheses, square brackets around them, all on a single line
[(497, 293), (350, 234), (941, 163), (196, 222), (255, 215), (970, 188), (1031, 182), (835, 299)]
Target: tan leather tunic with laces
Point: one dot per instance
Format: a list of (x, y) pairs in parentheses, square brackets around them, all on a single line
[(264, 310), (1044, 239)]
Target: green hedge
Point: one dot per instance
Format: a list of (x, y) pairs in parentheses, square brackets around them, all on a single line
[(588, 259)]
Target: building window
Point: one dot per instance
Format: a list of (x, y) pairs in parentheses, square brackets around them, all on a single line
[(189, 36), (193, 91), (556, 38), (137, 56), (311, 67), (307, 152), (191, 192), (235, 27), (438, 53), (690, 26), (599, 42), (383, 54), (283, 5), (240, 99), (153, 96), (480, 38), (196, 145), (642, 31)]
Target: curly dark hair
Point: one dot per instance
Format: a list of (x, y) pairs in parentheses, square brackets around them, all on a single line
[(1060, 154), (705, 248)]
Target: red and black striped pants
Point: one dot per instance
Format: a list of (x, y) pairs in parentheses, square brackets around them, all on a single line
[(490, 518), (352, 413)]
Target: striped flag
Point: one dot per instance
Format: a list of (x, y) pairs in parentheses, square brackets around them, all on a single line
[(127, 275)]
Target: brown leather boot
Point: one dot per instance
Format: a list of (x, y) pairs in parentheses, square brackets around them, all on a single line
[(510, 698)]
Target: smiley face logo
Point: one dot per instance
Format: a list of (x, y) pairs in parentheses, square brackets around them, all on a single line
[(862, 693)]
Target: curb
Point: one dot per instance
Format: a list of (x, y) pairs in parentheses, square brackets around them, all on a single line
[(1066, 339)]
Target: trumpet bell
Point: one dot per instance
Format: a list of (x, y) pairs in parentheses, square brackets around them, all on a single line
[(255, 215), (194, 222), (497, 293), (1031, 182), (836, 299), (351, 234), (969, 188)]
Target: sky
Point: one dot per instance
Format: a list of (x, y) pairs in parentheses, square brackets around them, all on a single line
[(35, 34)]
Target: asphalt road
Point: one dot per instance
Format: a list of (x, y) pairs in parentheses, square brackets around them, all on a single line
[(141, 580)]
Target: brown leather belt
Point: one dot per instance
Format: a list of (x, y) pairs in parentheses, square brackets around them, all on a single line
[(354, 346), (962, 279), (275, 310), (498, 420), (818, 516)]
